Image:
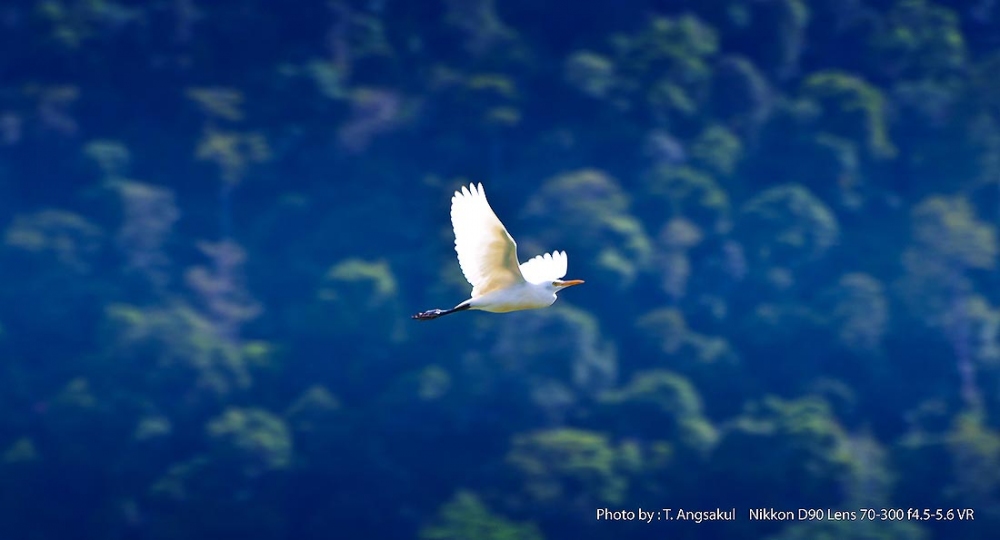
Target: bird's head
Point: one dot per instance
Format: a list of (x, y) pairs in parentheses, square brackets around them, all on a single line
[(559, 284)]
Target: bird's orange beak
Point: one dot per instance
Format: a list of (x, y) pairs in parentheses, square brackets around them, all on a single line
[(570, 283)]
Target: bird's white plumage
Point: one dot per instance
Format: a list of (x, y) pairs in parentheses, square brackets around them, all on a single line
[(548, 267), (488, 258), (486, 252)]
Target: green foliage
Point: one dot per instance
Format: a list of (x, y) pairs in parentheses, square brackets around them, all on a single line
[(77, 394), (72, 23), (668, 330), (560, 348), (20, 451), (153, 427), (667, 327), (674, 47), (213, 210), (363, 36), (788, 224), (465, 517), (982, 322), (740, 94), (489, 99), (112, 157), (872, 478), (784, 22), (149, 214), (374, 112), (669, 401), (975, 454), (232, 151), (259, 440), (921, 39), (948, 240), (786, 439), (665, 66), (68, 239), (667, 392), (55, 102), (317, 422), (316, 401), (175, 342), (680, 233), (590, 73), (218, 103), (859, 311), (947, 229), (375, 275), (355, 286), (839, 161), (434, 383), (791, 17), (597, 214), (691, 194), (676, 237), (717, 150), (328, 77), (960, 451), (852, 108), (479, 23), (493, 84), (561, 467), (220, 285)]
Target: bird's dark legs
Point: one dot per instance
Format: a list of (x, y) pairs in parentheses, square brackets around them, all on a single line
[(435, 313)]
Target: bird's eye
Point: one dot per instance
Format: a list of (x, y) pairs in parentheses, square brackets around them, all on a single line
[(555, 283)]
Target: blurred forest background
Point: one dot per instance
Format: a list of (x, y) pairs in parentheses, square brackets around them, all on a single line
[(217, 217)]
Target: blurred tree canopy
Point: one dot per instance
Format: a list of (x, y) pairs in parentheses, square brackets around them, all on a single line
[(216, 217)]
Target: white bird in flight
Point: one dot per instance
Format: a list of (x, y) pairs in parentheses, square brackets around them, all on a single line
[(488, 257)]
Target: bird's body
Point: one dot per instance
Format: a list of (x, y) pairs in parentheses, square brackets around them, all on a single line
[(488, 258), (513, 299)]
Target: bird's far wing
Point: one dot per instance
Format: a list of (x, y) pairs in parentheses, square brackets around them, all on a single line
[(548, 267), (486, 252)]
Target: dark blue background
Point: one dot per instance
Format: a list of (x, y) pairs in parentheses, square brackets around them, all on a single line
[(218, 217)]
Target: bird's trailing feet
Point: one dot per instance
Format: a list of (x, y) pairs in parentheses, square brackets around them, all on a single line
[(435, 313)]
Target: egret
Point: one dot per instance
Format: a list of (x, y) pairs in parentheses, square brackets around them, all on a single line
[(488, 258)]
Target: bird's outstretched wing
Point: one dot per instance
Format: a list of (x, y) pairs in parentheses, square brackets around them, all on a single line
[(486, 252), (548, 267)]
